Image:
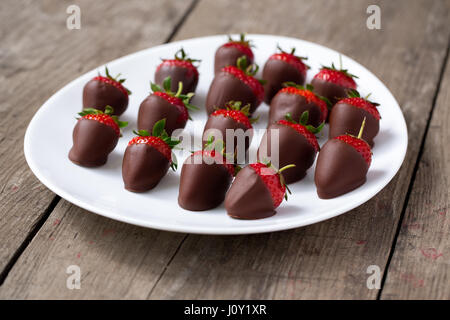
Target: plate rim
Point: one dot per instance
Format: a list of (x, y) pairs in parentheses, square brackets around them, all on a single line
[(287, 225)]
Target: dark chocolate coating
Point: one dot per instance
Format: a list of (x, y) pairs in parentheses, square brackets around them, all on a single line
[(329, 90), (202, 185), (222, 123), (345, 118), (225, 88), (340, 169), (276, 72), (293, 148), (143, 167), (98, 95), (177, 74), (227, 56), (284, 103), (248, 197), (92, 143), (155, 108)]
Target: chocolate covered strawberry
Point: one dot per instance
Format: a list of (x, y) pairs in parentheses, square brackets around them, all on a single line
[(342, 165), (295, 143), (165, 104), (296, 99), (147, 158), (235, 84), (228, 53), (206, 176), (280, 68), (333, 83), (94, 137), (104, 91), (233, 120), (348, 113), (256, 192), (179, 69)]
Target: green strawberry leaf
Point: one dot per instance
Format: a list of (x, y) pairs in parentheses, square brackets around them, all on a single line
[(304, 118), (142, 133), (155, 87), (167, 83), (158, 128)]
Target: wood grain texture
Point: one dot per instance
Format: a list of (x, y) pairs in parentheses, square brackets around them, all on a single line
[(38, 56), (327, 260), (420, 267), (116, 260)]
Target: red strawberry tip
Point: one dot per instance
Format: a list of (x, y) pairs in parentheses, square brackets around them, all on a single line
[(108, 111), (353, 93), (160, 133), (304, 120), (292, 53), (116, 79), (241, 40), (341, 70), (184, 98)]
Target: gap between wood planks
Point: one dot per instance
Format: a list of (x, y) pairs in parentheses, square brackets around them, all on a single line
[(4, 273), (414, 173)]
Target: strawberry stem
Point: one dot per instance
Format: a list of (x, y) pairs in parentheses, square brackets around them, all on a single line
[(180, 89), (362, 128), (286, 167)]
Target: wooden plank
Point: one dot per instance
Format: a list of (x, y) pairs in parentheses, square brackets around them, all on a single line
[(38, 55), (116, 260), (327, 260), (420, 266)]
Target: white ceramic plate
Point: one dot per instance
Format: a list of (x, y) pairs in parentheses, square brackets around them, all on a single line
[(100, 190)]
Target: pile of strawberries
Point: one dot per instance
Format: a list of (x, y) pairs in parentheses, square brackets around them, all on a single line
[(211, 175)]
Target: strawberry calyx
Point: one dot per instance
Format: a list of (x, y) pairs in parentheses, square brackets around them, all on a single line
[(307, 92), (240, 114), (181, 55), (245, 72), (274, 180), (104, 117), (159, 139), (359, 144), (114, 81), (181, 101)]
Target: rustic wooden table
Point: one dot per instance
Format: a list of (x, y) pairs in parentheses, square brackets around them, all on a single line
[(404, 230)]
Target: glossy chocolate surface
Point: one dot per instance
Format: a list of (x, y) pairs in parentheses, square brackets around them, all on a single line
[(284, 103), (92, 143), (248, 197), (98, 95), (227, 56), (345, 118), (155, 108), (143, 167), (202, 185), (225, 88), (276, 72), (340, 169), (177, 74), (329, 90), (293, 148)]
